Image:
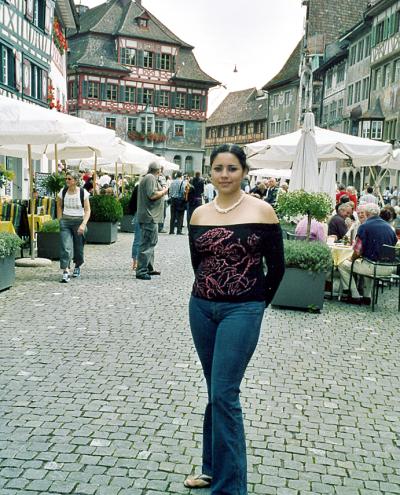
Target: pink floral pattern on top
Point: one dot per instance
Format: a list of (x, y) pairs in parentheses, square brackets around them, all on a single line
[(227, 263)]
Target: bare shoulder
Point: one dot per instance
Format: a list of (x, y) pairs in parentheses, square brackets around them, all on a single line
[(263, 211), (200, 214)]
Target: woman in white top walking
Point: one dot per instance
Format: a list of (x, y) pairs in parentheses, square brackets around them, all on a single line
[(73, 212)]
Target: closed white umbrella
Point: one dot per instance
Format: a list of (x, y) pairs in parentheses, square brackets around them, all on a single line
[(327, 179), (305, 164)]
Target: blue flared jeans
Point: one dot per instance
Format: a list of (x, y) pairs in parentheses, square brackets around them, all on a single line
[(225, 336), (71, 243)]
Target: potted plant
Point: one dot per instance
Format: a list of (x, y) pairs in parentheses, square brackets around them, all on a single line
[(313, 205), (302, 286), (106, 211), (9, 244), (48, 240), (54, 183), (126, 224)]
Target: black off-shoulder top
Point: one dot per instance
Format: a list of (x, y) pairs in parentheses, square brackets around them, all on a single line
[(228, 261)]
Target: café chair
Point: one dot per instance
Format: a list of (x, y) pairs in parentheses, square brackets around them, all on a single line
[(389, 257), (295, 237)]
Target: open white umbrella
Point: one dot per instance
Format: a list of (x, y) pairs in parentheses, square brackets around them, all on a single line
[(280, 152), (271, 172), (305, 163), (167, 165), (26, 124)]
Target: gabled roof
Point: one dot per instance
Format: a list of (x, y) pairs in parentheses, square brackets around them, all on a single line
[(66, 12), (289, 72), (240, 106), (94, 51), (119, 18), (187, 69), (375, 113)]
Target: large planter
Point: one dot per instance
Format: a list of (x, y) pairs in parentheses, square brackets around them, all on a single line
[(48, 245), (102, 232), (301, 289), (127, 224), (7, 272)]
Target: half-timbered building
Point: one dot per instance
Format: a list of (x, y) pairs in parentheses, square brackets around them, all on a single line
[(129, 72)]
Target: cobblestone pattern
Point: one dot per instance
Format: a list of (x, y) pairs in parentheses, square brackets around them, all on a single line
[(101, 391)]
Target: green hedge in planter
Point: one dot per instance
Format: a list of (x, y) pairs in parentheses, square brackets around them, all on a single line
[(105, 209), (51, 226), (124, 202), (9, 244), (312, 256)]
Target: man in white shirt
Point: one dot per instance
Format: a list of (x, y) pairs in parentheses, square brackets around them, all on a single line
[(104, 180)]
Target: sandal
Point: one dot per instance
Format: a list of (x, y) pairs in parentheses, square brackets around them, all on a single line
[(199, 481)]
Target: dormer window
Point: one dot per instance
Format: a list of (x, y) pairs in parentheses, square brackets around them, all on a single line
[(142, 22)]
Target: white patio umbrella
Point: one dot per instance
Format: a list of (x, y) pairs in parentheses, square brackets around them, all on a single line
[(305, 163), (167, 165), (331, 145), (327, 179), (26, 124), (271, 172)]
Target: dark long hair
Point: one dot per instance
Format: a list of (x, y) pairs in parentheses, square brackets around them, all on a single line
[(230, 148)]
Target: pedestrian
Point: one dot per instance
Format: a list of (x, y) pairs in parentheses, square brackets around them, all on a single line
[(271, 193), (209, 191), (132, 210), (163, 181), (73, 212), (178, 203), (149, 214), (229, 239), (369, 197)]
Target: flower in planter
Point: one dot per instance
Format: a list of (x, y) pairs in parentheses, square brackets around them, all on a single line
[(136, 136), (58, 37)]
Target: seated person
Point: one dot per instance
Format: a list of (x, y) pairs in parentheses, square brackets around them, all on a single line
[(388, 214), (317, 229), (372, 235), (337, 224), (361, 217)]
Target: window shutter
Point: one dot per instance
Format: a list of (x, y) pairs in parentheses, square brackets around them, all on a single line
[(173, 99), (140, 96), (47, 17), (103, 91), (203, 103), (18, 70), (158, 60), (373, 37), (122, 93), (45, 85), (156, 98), (84, 89), (189, 101), (392, 24), (29, 10), (173, 63), (385, 28), (140, 58), (11, 69)]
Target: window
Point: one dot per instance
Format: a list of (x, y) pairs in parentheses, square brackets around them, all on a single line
[(179, 130), (147, 96), (177, 160), (196, 102), (39, 13), (396, 27), (367, 46), (36, 82), (287, 98), (376, 129), (325, 113), (111, 122), (360, 50), (366, 127), (93, 89), (287, 126), (396, 70), (71, 89), (340, 73), (242, 129), (352, 55), (275, 100), (357, 92), (130, 94), (332, 111), (350, 95), (189, 164), (131, 124), (226, 131), (146, 123), (128, 56), (386, 76), (278, 127), (180, 100), (365, 88), (166, 61), (220, 132), (380, 31), (148, 59), (377, 78), (143, 23), (391, 129), (273, 128), (159, 127), (259, 127), (163, 99), (340, 108), (111, 92), (7, 65), (329, 79)]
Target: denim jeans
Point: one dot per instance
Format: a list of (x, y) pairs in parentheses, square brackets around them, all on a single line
[(71, 245), (136, 239), (225, 336)]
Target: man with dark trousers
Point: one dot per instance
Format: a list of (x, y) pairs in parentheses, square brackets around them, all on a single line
[(178, 203)]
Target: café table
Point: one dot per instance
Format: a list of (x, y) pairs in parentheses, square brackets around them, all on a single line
[(340, 253), (7, 226)]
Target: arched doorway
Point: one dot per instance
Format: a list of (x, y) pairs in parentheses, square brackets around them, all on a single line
[(178, 160), (350, 179), (344, 178), (189, 164), (357, 181)]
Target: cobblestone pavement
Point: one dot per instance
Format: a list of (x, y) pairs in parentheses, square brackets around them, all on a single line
[(101, 391)]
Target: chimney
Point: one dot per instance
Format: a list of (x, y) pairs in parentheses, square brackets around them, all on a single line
[(81, 9)]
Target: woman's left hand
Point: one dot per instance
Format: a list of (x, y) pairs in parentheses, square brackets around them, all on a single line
[(81, 229)]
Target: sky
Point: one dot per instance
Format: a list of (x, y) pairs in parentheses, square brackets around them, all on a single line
[(256, 36)]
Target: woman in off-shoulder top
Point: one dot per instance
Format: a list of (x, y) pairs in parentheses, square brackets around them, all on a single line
[(230, 238)]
